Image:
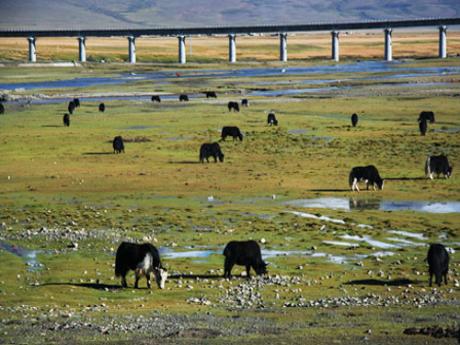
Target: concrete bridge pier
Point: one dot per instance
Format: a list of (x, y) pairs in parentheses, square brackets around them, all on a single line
[(388, 45), (442, 42), (335, 46), (32, 49), (82, 49), (182, 58), (132, 49), (283, 47), (231, 48)]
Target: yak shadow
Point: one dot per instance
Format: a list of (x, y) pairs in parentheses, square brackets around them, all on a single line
[(96, 153), (382, 282), (96, 286), (404, 178), (53, 126), (184, 162)]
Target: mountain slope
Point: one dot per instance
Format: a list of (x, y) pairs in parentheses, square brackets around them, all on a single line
[(154, 13)]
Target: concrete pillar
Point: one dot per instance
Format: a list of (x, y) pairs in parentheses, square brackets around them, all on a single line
[(132, 49), (388, 47), (231, 48), (335, 46), (32, 49), (82, 49), (182, 57), (442, 42), (283, 46)]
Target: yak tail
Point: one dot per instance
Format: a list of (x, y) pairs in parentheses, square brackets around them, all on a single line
[(427, 166)]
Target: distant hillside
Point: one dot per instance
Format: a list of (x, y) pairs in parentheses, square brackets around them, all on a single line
[(153, 13)]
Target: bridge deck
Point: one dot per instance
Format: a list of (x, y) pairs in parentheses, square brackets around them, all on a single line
[(380, 24)]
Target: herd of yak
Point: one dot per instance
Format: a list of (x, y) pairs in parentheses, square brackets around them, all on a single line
[(144, 259)]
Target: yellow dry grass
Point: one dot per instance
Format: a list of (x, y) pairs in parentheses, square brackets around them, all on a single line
[(260, 48)]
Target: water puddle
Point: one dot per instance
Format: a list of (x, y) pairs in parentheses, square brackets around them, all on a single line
[(139, 127), (370, 240), (405, 243), (169, 253), (29, 256), (297, 131), (341, 243), (313, 216), (416, 235), (382, 254), (421, 206), (326, 202), (266, 254), (348, 204), (451, 130)]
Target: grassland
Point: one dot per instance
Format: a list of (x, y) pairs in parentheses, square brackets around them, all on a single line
[(60, 186), (353, 45)]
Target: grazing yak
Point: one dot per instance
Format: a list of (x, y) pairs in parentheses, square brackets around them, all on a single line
[(211, 150), (77, 102), (71, 107), (156, 98), (143, 259), (66, 120), (271, 119), (354, 120), (369, 174), (210, 94), (231, 131), (183, 98), (102, 107), (245, 102), (243, 253), (438, 262), (437, 165), (2, 109), (426, 115), (423, 126), (233, 106), (118, 145)]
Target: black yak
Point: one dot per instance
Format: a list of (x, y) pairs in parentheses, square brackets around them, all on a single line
[(71, 107), (233, 106), (271, 119), (437, 165), (183, 98), (66, 120), (426, 115), (118, 145), (369, 174), (143, 259), (211, 150), (438, 262), (243, 253), (210, 94), (423, 126), (156, 98), (102, 107), (231, 131), (354, 120), (245, 102)]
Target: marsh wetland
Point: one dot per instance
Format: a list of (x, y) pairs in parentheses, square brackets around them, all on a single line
[(345, 267)]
